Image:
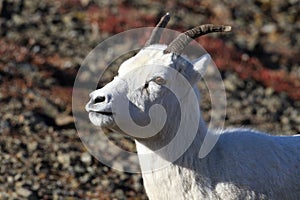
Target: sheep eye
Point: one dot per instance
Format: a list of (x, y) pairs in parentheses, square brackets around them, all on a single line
[(159, 80)]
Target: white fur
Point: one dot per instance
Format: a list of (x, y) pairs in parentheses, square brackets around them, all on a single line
[(244, 164)]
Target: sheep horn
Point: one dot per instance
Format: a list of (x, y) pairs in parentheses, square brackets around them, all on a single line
[(156, 33), (182, 40)]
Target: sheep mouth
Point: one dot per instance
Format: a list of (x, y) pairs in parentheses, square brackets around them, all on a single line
[(104, 113)]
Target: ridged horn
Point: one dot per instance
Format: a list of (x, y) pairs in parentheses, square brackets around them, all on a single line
[(156, 33), (183, 39)]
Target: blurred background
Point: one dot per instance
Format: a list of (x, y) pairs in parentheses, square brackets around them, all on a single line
[(43, 43)]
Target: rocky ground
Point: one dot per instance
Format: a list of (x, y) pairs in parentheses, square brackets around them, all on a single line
[(43, 43)]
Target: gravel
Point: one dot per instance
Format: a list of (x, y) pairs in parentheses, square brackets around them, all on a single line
[(42, 44)]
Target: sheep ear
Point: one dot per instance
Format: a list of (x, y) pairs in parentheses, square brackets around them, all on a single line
[(200, 64)]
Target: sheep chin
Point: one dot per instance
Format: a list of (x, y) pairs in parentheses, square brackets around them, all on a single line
[(101, 120)]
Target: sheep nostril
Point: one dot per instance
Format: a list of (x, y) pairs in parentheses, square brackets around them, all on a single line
[(99, 99)]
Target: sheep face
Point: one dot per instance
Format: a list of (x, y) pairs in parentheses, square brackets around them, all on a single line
[(143, 91)]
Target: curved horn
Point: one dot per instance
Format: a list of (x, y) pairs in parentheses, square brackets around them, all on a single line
[(156, 33), (182, 40)]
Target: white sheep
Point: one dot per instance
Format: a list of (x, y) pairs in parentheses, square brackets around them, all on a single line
[(244, 164)]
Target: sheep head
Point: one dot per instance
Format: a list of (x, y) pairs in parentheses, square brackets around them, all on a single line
[(146, 83)]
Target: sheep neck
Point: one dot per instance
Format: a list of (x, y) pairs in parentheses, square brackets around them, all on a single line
[(158, 179), (166, 155)]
